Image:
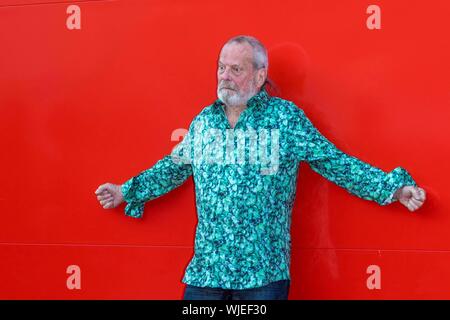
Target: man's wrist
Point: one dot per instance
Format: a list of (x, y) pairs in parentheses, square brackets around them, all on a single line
[(397, 193)]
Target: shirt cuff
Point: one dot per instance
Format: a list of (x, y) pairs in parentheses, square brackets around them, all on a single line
[(133, 208), (390, 199), (396, 179)]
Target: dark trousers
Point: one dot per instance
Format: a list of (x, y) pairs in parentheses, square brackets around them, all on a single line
[(277, 290)]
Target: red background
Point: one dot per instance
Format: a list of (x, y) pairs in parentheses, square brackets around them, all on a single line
[(83, 107)]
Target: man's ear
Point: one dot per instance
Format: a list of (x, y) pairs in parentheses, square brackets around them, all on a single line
[(261, 76)]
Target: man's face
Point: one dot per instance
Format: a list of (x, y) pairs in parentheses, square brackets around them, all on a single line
[(236, 76)]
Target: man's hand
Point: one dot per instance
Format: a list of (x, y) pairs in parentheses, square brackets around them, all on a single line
[(411, 197), (109, 195)]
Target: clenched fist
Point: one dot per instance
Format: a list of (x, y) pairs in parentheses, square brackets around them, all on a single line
[(109, 195), (411, 197)]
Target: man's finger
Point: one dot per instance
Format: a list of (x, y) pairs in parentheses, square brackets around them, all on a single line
[(103, 202), (412, 205), (422, 194), (418, 194), (415, 193), (101, 188), (416, 202), (109, 205), (100, 198), (104, 196), (421, 198)]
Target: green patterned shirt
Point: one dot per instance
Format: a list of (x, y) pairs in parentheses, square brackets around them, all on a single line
[(245, 185)]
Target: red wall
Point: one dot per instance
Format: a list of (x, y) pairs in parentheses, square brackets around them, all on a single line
[(98, 104)]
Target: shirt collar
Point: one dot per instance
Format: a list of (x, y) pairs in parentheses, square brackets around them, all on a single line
[(259, 99)]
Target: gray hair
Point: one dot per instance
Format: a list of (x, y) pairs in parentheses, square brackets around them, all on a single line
[(260, 59)]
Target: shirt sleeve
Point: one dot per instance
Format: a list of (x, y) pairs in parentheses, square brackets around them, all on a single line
[(357, 177), (165, 175)]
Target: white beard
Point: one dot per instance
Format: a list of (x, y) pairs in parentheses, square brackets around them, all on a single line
[(234, 98)]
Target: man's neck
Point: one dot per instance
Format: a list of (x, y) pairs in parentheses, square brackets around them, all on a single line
[(234, 111)]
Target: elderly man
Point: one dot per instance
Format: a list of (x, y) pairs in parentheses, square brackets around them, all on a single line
[(244, 197)]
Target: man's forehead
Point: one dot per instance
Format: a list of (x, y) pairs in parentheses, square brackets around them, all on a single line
[(236, 53)]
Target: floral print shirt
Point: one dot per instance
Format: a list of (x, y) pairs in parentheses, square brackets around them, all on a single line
[(245, 194)]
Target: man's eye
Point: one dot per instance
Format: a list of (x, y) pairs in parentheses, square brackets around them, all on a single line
[(236, 69)]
